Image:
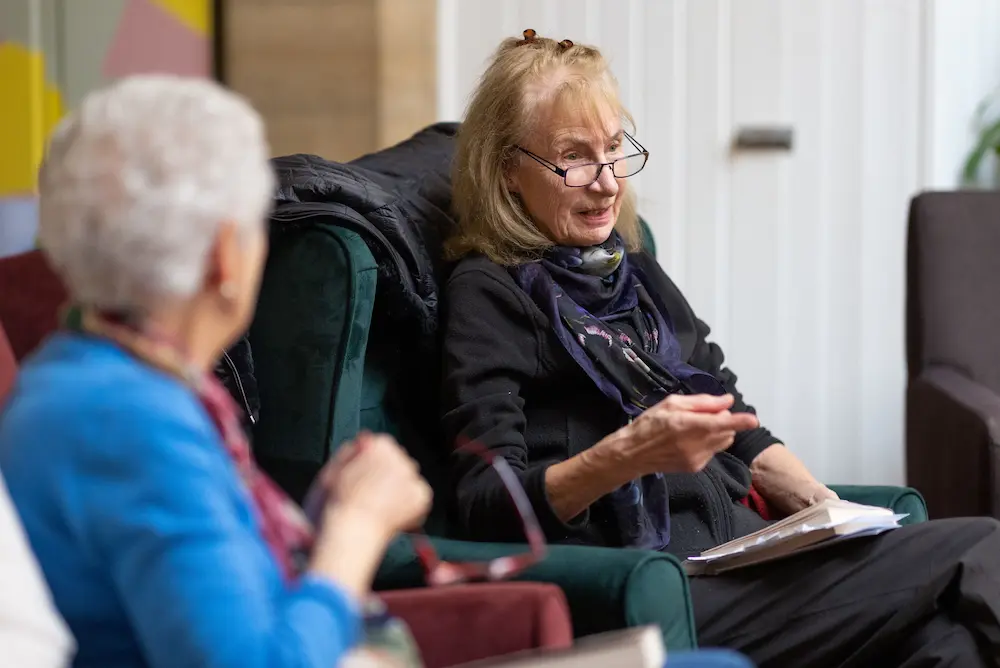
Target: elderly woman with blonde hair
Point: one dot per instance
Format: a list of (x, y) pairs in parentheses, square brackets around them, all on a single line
[(569, 352), (162, 543)]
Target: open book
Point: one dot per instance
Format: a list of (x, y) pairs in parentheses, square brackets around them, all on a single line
[(639, 647), (826, 522)]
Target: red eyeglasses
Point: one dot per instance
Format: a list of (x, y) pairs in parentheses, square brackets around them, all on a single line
[(439, 573)]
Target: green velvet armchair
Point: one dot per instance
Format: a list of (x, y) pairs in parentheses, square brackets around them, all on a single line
[(318, 381)]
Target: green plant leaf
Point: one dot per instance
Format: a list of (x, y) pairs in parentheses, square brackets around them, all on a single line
[(989, 141), (985, 109)]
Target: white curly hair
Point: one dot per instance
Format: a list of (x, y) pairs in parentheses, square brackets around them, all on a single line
[(137, 181)]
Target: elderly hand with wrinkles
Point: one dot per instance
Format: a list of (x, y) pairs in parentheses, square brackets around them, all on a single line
[(680, 434)]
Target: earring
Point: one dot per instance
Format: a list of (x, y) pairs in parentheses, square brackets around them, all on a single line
[(228, 291)]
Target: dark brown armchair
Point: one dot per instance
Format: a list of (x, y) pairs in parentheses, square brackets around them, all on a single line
[(953, 352)]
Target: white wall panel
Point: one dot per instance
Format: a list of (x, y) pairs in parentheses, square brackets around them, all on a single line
[(796, 259)]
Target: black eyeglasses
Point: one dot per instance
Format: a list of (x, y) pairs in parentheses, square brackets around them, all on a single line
[(581, 176)]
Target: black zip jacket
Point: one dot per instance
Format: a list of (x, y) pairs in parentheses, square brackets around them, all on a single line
[(510, 385), (235, 370)]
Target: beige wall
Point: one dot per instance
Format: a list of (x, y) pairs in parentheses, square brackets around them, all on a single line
[(338, 78)]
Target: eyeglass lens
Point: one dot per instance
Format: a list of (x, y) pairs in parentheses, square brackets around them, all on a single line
[(584, 175)]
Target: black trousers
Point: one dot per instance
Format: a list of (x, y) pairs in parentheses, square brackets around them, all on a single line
[(922, 595)]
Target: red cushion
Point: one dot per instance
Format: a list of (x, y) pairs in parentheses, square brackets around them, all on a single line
[(8, 366), (754, 501), (31, 295), (454, 625)]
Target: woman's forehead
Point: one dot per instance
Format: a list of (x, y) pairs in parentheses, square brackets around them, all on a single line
[(579, 123), (585, 134)]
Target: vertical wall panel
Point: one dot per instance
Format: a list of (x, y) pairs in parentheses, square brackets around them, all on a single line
[(759, 215), (566, 19), (662, 129), (839, 252), (708, 112), (449, 26), (795, 259), (805, 393), (890, 134)]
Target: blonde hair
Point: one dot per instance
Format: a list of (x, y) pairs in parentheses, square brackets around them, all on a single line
[(522, 74)]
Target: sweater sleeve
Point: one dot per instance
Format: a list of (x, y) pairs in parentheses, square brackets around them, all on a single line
[(491, 349), (162, 507), (708, 357)]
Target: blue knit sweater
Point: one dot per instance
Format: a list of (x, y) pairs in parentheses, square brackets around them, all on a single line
[(143, 528)]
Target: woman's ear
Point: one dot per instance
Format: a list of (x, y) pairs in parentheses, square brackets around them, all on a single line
[(223, 275), (512, 183)]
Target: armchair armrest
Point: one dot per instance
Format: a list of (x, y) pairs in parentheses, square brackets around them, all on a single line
[(607, 588), (952, 436), (901, 499), (465, 623)]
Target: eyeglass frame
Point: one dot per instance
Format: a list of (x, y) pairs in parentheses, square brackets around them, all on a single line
[(441, 573), (559, 171)]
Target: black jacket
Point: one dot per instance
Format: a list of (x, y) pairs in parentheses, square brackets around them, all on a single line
[(398, 201), (510, 385), (236, 371)]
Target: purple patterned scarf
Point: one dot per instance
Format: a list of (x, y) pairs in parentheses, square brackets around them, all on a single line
[(588, 294)]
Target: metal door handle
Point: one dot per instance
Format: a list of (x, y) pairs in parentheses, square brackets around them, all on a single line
[(764, 138)]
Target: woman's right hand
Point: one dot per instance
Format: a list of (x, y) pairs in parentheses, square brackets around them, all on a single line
[(375, 478), (680, 434), (367, 493)]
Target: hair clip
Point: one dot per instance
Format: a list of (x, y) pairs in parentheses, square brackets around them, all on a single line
[(566, 43), (529, 36)]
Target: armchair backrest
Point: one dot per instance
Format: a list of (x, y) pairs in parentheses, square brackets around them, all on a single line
[(30, 297), (953, 352), (953, 270)]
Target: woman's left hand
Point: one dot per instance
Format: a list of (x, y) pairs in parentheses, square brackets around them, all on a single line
[(316, 498), (785, 482)]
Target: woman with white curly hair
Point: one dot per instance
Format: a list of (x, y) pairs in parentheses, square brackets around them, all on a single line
[(161, 541)]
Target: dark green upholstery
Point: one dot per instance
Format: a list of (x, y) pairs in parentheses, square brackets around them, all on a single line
[(319, 386), (309, 338), (606, 588), (648, 240)]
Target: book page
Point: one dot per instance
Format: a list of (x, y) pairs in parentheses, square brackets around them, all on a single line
[(695, 568), (825, 513)]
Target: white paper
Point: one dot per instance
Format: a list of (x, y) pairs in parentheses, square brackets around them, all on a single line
[(875, 523)]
